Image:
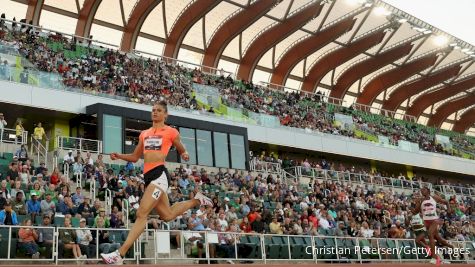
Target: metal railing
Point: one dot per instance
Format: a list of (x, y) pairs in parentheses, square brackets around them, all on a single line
[(39, 151), (383, 112), (281, 88), (361, 178), (455, 190), (78, 177), (230, 246), (108, 201), (264, 166), (9, 136), (80, 144), (126, 211), (92, 189)]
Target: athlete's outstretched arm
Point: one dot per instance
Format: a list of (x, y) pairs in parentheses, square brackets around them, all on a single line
[(134, 157), (440, 200), (181, 148)]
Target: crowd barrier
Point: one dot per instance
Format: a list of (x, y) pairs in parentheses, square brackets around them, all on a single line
[(176, 246), (339, 176)]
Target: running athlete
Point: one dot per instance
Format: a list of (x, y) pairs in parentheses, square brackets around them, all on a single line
[(428, 208), (417, 225), (154, 145)]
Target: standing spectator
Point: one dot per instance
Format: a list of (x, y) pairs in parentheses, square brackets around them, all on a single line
[(33, 206), (39, 133), (28, 237), (19, 132), (84, 239), (8, 216), (68, 159), (3, 124), (18, 204)]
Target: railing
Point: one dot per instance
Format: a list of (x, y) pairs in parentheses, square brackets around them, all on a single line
[(383, 112), (70, 36), (92, 189), (40, 150), (9, 136), (281, 88), (456, 190), (338, 176), (263, 248), (203, 68), (264, 166), (66, 171), (126, 212), (78, 177), (108, 201), (80, 144)]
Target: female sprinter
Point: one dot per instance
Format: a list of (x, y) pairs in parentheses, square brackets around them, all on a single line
[(428, 208), (154, 145)]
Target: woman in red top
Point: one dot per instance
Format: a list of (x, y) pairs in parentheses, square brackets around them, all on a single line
[(154, 145)]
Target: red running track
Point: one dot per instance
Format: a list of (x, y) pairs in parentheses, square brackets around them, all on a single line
[(263, 265)]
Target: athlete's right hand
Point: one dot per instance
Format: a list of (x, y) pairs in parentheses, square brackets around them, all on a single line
[(114, 156)]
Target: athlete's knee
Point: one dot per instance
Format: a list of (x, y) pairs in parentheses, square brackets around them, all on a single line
[(141, 214), (168, 217)]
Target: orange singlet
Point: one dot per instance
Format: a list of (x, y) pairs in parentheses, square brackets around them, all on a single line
[(157, 140)]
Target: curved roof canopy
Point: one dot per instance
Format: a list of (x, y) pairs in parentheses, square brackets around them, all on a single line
[(363, 51)]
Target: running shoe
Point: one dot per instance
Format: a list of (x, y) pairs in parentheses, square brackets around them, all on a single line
[(204, 200), (112, 258)]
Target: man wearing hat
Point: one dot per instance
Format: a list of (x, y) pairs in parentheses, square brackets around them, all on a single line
[(102, 214), (33, 206), (85, 239)]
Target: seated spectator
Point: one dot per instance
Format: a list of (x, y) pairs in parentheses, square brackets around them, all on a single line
[(38, 190), (18, 204), (85, 209), (102, 214), (69, 239), (118, 221), (12, 173), (54, 178), (48, 207), (33, 206), (105, 244), (24, 175), (65, 206), (14, 191), (27, 239), (77, 197), (85, 239), (275, 227), (46, 236), (8, 216)]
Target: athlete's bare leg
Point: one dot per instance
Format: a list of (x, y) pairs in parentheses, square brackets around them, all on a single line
[(433, 228), (167, 213), (147, 204)]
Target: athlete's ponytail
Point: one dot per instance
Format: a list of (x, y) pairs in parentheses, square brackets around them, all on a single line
[(162, 103)]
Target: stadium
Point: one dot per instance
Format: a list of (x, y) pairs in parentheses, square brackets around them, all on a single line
[(258, 132)]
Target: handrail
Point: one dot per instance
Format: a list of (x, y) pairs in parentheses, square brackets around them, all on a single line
[(126, 212), (383, 112), (41, 28), (81, 144), (281, 88), (108, 201), (361, 178), (262, 31), (169, 60), (78, 176), (8, 135), (92, 189), (265, 166), (41, 151)]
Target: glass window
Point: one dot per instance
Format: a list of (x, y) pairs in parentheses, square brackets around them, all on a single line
[(188, 139), (205, 152), (238, 153), (221, 150), (112, 134)]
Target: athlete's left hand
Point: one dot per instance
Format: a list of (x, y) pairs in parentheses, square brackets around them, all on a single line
[(185, 156)]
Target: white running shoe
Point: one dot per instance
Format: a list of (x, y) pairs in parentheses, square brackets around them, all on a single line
[(112, 258), (204, 200), (433, 261)]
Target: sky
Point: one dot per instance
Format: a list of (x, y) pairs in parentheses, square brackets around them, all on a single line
[(455, 17)]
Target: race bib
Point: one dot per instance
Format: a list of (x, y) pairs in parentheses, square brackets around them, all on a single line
[(153, 142)]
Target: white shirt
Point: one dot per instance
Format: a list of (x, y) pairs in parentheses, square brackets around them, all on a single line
[(3, 124), (429, 209)]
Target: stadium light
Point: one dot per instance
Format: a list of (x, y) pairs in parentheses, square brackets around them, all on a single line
[(453, 44), (402, 20), (441, 40), (381, 11), (427, 32), (465, 50)]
